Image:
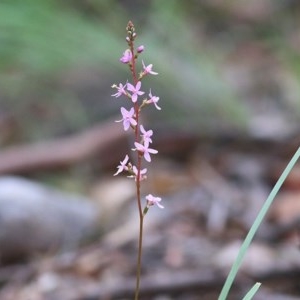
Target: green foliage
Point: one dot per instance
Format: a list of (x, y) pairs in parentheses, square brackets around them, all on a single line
[(43, 36), (252, 291), (262, 213), (43, 43), (192, 87)]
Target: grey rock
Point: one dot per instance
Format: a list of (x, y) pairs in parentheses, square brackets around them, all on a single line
[(35, 218)]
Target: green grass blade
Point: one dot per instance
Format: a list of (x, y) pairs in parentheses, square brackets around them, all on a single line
[(235, 267), (252, 292)]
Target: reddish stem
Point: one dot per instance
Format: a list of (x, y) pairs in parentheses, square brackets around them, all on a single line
[(138, 180)]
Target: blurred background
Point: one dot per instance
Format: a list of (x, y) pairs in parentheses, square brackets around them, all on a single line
[(221, 64), (228, 81)]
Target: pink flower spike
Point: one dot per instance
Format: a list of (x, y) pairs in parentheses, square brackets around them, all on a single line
[(135, 91), (146, 135), (154, 100), (122, 166), (128, 118), (120, 90), (146, 150), (148, 69), (151, 200), (127, 57)]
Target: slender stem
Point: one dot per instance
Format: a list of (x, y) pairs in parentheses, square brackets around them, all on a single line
[(139, 260), (138, 183), (141, 219)]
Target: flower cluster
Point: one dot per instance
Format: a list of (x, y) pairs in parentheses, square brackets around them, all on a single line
[(130, 117)]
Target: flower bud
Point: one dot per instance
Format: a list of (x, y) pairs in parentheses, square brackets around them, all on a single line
[(140, 49), (127, 56)]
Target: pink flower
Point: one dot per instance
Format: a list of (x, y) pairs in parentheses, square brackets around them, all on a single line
[(148, 69), (146, 135), (151, 200), (128, 118), (135, 90), (127, 57), (140, 49), (120, 90), (154, 100), (142, 173), (145, 150), (122, 166)]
